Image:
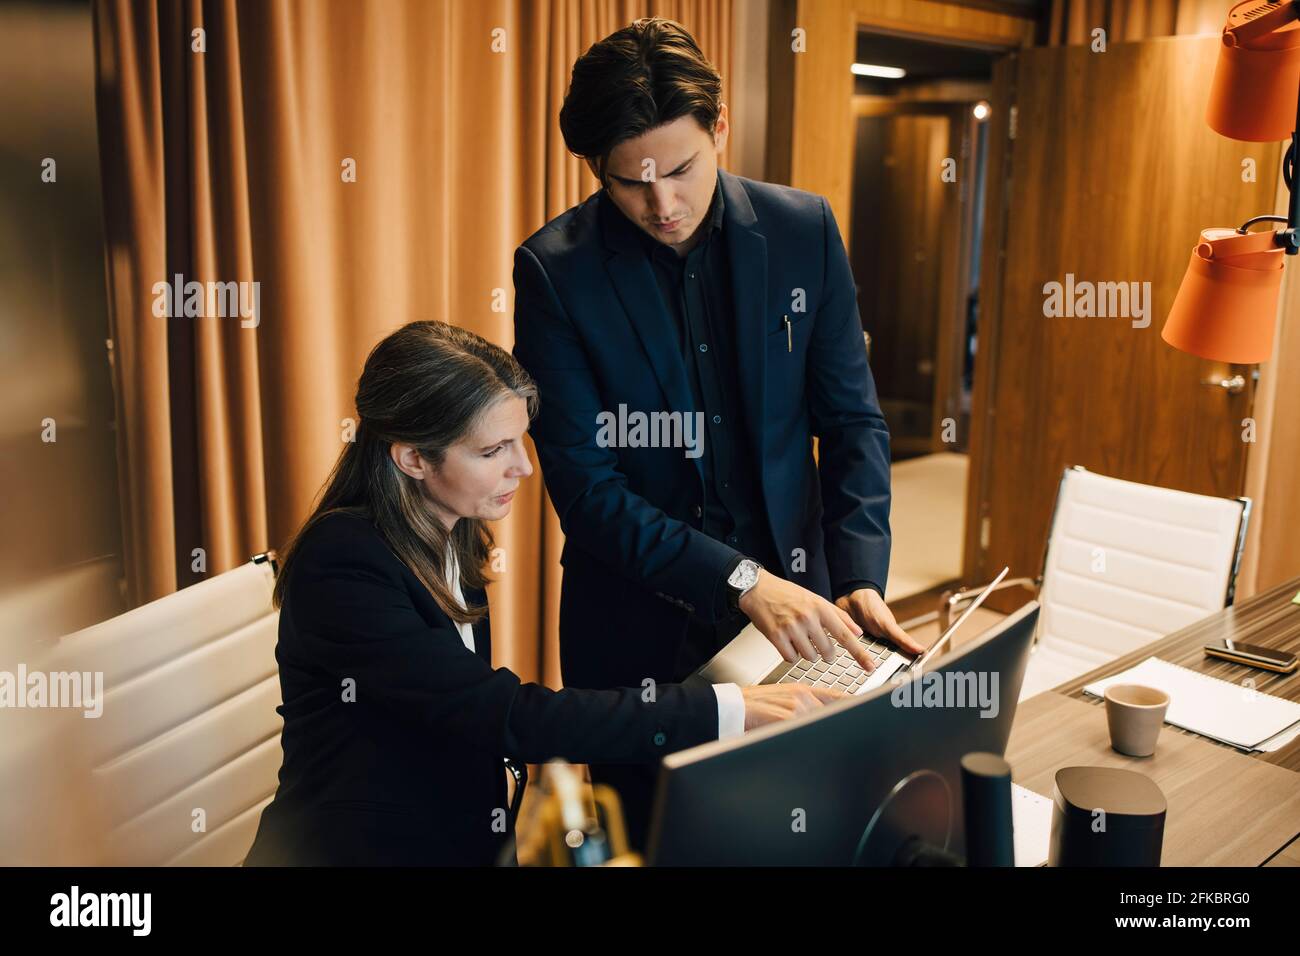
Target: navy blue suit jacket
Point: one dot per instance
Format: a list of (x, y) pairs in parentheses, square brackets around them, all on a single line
[(593, 330)]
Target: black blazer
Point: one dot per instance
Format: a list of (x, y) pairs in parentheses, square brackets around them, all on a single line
[(593, 330), (408, 768)]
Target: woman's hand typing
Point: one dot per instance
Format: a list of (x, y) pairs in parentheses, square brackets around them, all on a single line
[(769, 703)]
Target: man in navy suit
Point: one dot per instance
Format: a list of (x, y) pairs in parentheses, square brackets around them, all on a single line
[(691, 332)]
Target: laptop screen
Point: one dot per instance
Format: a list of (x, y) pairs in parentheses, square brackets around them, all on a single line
[(939, 646)]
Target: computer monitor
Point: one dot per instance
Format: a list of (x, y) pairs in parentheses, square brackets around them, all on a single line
[(804, 791)]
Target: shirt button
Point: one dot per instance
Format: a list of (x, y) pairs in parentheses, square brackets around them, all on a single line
[(717, 419), (703, 347), (659, 740)]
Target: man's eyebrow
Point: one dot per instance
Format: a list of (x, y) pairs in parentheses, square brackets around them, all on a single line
[(680, 166)]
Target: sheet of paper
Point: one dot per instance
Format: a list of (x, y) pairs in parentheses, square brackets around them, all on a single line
[(1031, 826), (1280, 740)]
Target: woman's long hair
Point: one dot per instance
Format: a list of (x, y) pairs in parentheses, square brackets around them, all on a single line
[(424, 385)]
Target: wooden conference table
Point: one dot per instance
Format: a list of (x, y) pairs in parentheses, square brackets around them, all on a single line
[(1226, 808)]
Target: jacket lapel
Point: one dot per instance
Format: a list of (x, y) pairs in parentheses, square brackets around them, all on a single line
[(747, 248)]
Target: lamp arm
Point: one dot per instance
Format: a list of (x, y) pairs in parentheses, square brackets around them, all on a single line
[(1245, 226), (1288, 238), (1291, 242), (1277, 17)]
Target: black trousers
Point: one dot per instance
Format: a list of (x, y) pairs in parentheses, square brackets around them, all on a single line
[(635, 782)]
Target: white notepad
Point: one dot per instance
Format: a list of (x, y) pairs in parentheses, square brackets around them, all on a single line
[(1231, 713), (1031, 826)]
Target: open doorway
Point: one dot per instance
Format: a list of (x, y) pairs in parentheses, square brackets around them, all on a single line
[(920, 111)]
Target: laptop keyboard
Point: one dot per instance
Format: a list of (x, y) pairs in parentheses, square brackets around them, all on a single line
[(843, 673)]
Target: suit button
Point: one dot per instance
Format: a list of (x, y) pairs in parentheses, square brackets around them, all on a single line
[(659, 740), (699, 512)]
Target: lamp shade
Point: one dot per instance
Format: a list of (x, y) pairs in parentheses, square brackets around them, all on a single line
[(1226, 307), (1257, 77)]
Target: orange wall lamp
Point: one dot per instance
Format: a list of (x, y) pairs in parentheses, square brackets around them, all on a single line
[(1226, 307)]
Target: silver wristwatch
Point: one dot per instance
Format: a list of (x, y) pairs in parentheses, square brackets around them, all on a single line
[(743, 579)]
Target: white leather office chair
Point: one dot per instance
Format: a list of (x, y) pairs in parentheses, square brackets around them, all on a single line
[(1125, 564), (189, 721)]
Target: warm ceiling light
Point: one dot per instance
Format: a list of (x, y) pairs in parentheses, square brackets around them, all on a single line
[(881, 72), (981, 111)]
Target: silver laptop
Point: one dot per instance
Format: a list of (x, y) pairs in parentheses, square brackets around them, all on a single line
[(749, 659)]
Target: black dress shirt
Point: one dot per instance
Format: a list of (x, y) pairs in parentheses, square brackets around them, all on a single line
[(697, 290)]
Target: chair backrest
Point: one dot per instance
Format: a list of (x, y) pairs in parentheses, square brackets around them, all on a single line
[(1127, 563), (189, 731)]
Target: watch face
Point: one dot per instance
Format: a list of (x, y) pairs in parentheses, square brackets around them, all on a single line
[(744, 577)]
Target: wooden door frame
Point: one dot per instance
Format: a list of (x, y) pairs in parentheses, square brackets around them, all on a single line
[(810, 111), (810, 141), (996, 182), (954, 268)]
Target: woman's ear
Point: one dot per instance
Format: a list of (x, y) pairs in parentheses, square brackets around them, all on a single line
[(408, 460)]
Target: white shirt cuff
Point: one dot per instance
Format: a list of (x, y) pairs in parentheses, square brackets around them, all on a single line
[(731, 710)]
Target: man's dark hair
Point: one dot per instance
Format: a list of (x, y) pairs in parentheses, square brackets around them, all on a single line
[(649, 73)]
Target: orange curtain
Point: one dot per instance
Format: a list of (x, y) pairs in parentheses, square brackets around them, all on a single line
[(1072, 21), (226, 131)]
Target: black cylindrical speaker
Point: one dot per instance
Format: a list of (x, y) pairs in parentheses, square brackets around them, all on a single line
[(986, 797), (1104, 816)]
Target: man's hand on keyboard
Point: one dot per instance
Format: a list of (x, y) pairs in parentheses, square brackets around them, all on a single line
[(800, 623), (869, 611), (768, 703)]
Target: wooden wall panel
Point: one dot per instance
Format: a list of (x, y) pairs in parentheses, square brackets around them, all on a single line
[(1096, 192)]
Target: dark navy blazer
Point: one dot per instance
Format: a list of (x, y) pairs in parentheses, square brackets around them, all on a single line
[(593, 330), (409, 770)]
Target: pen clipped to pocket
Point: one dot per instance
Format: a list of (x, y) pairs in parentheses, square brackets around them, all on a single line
[(786, 330)]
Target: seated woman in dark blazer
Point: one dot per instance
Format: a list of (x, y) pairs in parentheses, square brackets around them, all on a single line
[(395, 722)]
